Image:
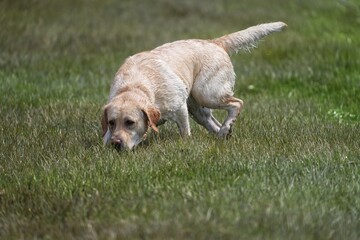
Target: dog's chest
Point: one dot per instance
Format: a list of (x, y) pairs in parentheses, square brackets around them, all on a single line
[(169, 115)]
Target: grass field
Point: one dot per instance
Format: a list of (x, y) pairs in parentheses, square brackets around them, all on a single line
[(290, 171)]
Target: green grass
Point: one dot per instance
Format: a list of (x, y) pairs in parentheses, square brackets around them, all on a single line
[(290, 171)]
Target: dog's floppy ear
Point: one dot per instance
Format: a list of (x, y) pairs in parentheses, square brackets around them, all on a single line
[(104, 122), (153, 117)]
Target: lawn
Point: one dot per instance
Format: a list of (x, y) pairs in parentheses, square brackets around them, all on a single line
[(291, 170)]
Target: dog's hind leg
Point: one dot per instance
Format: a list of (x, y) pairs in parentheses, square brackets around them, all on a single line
[(215, 89), (221, 98), (233, 106), (203, 116)]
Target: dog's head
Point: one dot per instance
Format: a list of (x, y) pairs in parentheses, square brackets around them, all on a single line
[(124, 124)]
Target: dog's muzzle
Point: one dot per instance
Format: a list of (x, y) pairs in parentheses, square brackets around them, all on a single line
[(118, 144)]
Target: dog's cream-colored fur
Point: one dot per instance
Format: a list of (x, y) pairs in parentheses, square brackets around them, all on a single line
[(173, 80)]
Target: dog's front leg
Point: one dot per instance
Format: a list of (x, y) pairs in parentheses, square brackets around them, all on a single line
[(182, 121)]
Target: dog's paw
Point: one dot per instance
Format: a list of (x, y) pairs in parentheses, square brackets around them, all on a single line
[(224, 132)]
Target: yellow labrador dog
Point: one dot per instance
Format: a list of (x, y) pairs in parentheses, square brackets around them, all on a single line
[(173, 80)]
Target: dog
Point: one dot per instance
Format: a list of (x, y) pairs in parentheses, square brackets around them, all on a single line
[(175, 79)]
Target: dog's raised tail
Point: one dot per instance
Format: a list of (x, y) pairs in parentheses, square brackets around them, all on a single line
[(247, 39)]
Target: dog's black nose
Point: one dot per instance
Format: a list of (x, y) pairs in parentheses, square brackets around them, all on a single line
[(118, 144)]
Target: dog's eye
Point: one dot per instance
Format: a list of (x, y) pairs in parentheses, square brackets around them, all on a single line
[(111, 123), (129, 123)]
